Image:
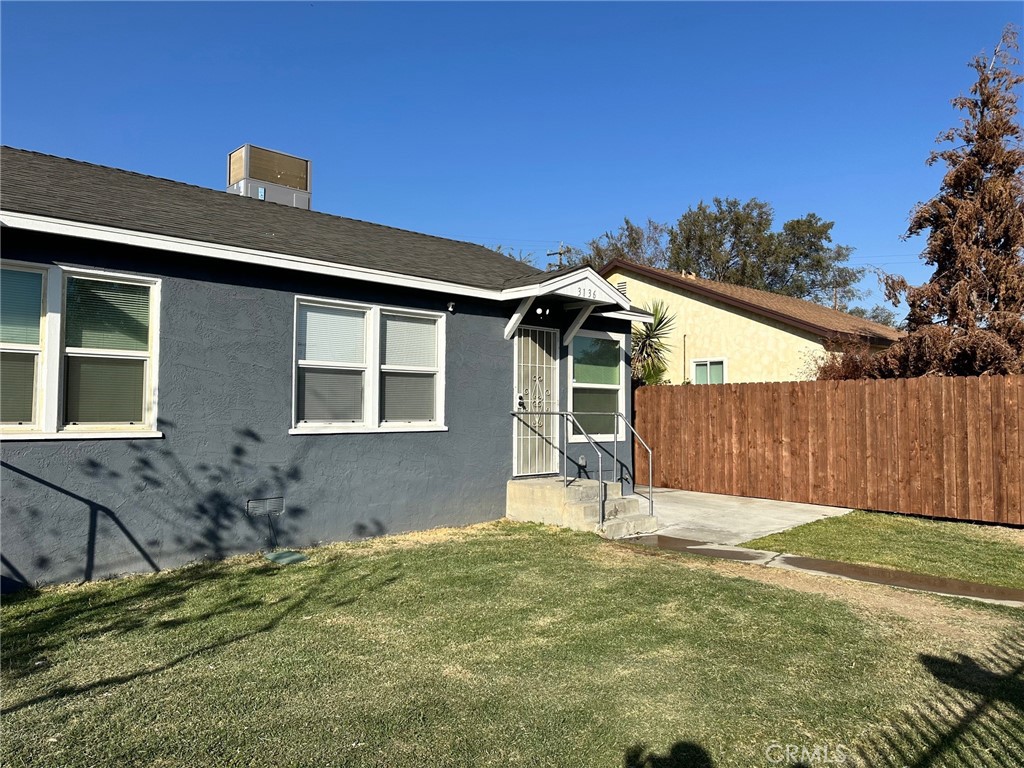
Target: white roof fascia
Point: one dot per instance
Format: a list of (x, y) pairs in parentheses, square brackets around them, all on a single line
[(235, 253), (585, 284), (633, 315)]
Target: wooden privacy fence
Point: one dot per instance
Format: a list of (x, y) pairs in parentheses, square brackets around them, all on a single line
[(941, 447)]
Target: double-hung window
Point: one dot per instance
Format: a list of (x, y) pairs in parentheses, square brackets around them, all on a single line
[(78, 353), (598, 383), (106, 352), (363, 368), (21, 346), (331, 365)]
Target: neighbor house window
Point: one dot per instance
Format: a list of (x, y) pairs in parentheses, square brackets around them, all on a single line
[(78, 352), (598, 385), (709, 371), (21, 339), (367, 368)]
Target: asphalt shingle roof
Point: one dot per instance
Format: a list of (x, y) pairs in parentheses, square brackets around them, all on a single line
[(784, 308), (72, 190)]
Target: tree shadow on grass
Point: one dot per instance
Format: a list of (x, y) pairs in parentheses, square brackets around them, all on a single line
[(682, 754), (33, 638), (977, 719)]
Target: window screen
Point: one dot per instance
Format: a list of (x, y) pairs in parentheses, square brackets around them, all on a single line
[(104, 390), (102, 315), (21, 297), (332, 334), (332, 395), (17, 387), (409, 341)]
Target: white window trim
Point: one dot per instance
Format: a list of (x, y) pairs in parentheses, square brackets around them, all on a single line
[(50, 386), (695, 363), (372, 370), (619, 435)]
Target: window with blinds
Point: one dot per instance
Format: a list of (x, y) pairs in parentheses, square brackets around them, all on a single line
[(408, 368), (77, 351), (331, 365), (365, 367), (106, 352), (597, 383), (21, 314)]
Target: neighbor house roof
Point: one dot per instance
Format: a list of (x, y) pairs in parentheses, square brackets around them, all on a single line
[(70, 190), (805, 315)]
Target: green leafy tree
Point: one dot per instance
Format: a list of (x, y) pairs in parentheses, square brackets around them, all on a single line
[(649, 355), (733, 242), (646, 244), (968, 319), (877, 314)]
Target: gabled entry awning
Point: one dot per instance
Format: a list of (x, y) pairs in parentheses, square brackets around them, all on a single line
[(576, 288)]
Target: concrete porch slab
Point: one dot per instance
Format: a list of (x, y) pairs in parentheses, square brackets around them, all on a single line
[(710, 517)]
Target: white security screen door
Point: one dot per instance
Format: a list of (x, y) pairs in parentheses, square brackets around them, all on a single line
[(535, 446)]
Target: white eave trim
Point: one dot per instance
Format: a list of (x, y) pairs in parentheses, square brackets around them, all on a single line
[(599, 291), (633, 315), (234, 253)]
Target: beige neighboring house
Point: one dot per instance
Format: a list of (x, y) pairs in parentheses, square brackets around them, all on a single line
[(731, 334)]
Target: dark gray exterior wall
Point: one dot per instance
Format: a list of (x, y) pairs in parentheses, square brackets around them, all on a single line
[(85, 509)]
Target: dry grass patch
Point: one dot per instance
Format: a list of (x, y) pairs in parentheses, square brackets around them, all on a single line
[(503, 644)]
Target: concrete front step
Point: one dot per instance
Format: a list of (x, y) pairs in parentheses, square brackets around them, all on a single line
[(577, 506)]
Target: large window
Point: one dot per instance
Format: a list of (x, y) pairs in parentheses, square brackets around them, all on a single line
[(78, 352), (709, 371), (598, 374), (364, 368)]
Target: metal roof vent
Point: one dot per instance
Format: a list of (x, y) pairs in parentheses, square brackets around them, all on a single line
[(268, 175)]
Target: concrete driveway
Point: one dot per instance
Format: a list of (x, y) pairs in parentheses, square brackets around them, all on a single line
[(729, 519)]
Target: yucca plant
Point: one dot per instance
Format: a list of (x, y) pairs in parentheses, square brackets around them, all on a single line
[(650, 345)]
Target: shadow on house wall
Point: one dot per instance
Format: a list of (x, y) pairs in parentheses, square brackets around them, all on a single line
[(146, 511)]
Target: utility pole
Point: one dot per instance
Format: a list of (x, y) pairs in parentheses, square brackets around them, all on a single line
[(562, 251)]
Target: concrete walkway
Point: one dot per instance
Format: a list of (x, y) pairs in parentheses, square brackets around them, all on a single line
[(717, 519)]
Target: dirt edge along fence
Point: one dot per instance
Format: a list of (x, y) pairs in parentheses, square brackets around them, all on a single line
[(936, 446)]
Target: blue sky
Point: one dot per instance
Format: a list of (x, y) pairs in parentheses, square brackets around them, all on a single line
[(522, 124)]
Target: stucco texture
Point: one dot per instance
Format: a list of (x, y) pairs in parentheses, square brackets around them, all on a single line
[(85, 509), (754, 347)]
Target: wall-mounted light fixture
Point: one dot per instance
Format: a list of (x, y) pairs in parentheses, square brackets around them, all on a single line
[(451, 307)]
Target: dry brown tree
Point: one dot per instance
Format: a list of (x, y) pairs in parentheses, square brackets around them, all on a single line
[(968, 319)]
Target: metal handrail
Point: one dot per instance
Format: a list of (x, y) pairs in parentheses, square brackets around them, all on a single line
[(650, 462), (566, 415)]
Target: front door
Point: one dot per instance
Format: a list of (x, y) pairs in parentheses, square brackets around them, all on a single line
[(535, 431)]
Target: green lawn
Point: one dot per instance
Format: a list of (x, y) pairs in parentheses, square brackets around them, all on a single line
[(501, 645), (984, 554)]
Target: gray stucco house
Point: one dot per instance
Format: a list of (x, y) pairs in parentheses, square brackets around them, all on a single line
[(189, 373)]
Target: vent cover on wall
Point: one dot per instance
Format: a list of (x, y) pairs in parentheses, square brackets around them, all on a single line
[(260, 507), (622, 287)]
